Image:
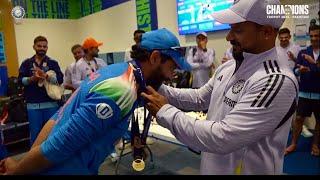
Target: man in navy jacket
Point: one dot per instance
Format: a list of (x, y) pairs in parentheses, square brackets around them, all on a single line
[(39, 105), (308, 69)]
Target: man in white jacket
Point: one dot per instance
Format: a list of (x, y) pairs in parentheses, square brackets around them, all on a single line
[(250, 100), (90, 63), (201, 60)]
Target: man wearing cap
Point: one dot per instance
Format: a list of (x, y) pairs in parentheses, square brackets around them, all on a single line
[(201, 59), (251, 100), (89, 63), (83, 132)]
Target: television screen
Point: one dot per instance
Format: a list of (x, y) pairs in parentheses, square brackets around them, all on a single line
[(195, 15)]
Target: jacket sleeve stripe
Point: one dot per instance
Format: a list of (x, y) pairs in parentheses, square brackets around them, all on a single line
[(266, 67), (262, 91), (269, 91), (289, 114), (270, 64), (276, 64), (276, 92)]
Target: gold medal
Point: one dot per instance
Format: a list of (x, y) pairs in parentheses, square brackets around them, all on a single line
[(138, 165)]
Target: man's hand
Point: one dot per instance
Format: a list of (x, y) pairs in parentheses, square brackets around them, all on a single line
[(7, 166), (40, 74), (291, 56), (309, 58), (34, 78), (224, 59), (155, 100), (303, 69)]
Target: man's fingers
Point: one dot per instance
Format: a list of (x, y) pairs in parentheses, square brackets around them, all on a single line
[(2, 167), (2, 162), (151, 90), (147, 96), (152, 108)]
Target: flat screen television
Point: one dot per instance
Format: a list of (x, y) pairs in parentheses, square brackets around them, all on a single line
[(195, 15)]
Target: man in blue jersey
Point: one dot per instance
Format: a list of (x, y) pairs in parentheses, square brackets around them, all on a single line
[(83, 132)]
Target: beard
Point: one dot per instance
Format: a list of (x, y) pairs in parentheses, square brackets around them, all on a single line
[(156, 79), (95, 55), (237, 51), (41, 53)]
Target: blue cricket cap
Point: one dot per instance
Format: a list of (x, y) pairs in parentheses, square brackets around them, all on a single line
[(167, 43)]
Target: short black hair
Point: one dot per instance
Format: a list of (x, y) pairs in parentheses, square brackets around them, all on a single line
[(284, 31), (76, 46), (141, 54), (39, 38), (138, 31), (314, 27)]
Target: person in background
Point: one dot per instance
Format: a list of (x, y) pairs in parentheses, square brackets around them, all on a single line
[(227, 55), (201, 60), (137, 39), (287, 50), (308, 70), (89, 63), (39, 105), (78, 53)]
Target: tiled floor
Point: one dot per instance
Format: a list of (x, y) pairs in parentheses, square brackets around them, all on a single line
[(168, 159), (171, 159)]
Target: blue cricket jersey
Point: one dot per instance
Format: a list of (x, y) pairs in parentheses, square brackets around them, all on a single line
[(91, 121)]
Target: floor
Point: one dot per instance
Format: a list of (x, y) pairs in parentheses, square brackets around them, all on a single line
[(171, 159)]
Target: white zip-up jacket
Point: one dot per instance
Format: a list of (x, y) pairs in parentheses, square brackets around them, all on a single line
[(248, 120)]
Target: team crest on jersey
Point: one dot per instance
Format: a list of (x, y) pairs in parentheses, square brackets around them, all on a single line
[(104, 111), (237, 87)]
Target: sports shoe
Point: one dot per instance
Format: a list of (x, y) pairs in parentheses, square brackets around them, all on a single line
[(305, 132), (149, 141)]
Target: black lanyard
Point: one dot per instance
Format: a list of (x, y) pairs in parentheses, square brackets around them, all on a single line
[(89, 64), (138, 140)]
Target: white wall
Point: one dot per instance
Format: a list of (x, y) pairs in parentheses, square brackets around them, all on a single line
[(61, 35), (114, 27)]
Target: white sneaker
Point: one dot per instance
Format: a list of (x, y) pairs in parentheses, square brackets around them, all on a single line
[(149, 141), (305, 132), (114, 157)]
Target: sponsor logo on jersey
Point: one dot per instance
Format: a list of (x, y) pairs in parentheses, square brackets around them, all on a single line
[(229, 102), (104, 111)]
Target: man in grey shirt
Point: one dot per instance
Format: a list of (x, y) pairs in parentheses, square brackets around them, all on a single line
[(201, 60), (250, 100)]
